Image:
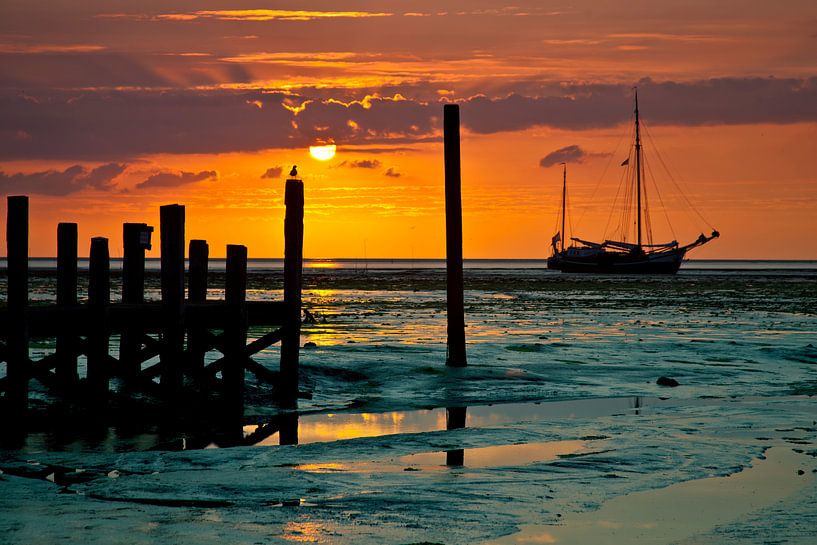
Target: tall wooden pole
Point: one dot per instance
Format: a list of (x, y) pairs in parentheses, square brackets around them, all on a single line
[(198, 255), (293, 267), (67, 297), (453, 237), (235, 335), (133, 292), (171, 218), (17, 369), (99, 296)]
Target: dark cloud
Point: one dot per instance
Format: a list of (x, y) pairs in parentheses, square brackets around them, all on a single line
[(391, 172), (568, 154), (273, 172), (54, 182), (729, 101), (133, 123), (362, 163), (175, 179), (105, 125), (107, 70)]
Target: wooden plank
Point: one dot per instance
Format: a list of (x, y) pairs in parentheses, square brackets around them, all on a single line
[(264, 341), (267, 313), (50, 321)]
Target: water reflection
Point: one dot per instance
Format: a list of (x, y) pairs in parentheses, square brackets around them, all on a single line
[(477, 458), (319, 428), (455, 420), (293, 429)]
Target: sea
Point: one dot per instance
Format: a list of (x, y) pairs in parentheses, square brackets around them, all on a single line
[(557, 431)]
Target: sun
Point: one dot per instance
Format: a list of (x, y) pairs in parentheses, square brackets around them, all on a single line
[(323, 153)]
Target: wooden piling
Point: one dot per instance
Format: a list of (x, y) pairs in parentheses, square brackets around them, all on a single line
[(99, 297), (293, 271), (453, 237), (66, 346), (135, 240), (171, 218), (17, 370), (198, 255), (235, 335)]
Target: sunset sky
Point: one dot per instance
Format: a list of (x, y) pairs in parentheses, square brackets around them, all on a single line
[(109, 109)]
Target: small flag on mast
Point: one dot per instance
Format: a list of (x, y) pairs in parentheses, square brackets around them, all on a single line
[(625, 162)]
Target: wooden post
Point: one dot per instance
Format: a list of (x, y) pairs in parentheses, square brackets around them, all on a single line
[(198, 253), (235, 335), (453, 237), (171, 218), (66, 297), (99, 296), (17, 370), (135, 240), (293, 270)]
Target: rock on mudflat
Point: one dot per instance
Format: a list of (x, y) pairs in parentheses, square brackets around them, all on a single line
[(666, 381)]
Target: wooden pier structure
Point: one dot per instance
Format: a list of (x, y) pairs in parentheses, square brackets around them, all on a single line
[(180, 329)]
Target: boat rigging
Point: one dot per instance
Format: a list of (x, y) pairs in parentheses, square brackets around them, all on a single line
[(612, 256)]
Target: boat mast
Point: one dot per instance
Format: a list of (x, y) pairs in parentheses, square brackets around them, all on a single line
[(564, 200), (638, 165)]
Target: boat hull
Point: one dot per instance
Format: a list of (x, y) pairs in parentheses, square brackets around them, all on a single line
[(619, 263)]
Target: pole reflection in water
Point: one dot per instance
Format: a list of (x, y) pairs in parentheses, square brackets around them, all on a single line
[(288, 434), (455, 420)]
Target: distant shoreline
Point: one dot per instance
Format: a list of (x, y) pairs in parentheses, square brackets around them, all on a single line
[(257, 264)]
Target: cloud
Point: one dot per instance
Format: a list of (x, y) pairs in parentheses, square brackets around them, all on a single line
[(568, 154), (175, 179), (268, 15), (723, 101), (361, 163), (53, 182), (391, 172), (119, 125), (273, 172), (33, 49)]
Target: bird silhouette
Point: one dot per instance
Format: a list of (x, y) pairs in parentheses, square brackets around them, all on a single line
[(294, 171)]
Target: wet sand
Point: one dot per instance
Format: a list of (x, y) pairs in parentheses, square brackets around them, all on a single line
[(564, 423)]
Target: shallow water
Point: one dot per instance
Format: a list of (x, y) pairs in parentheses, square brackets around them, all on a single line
[(561, 383)]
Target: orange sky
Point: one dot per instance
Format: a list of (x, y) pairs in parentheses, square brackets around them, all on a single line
[(106, 114)]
